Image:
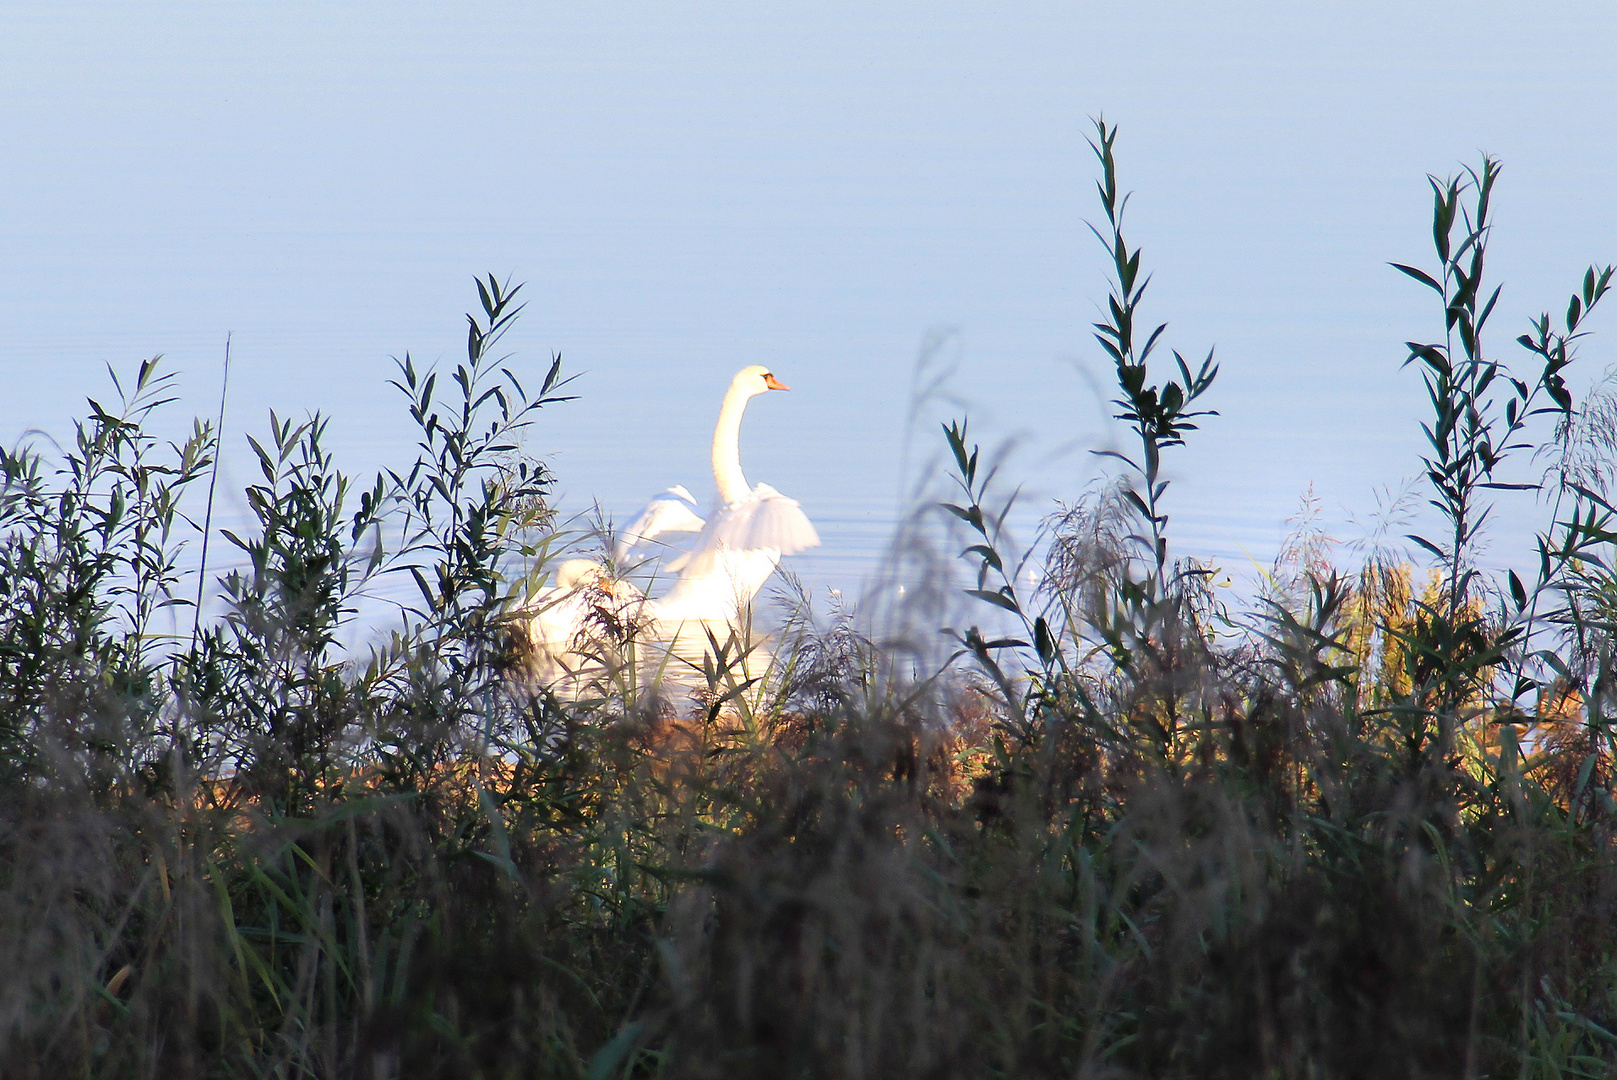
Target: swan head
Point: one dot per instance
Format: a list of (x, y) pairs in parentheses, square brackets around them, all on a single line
[(589, 576), (755, 379)]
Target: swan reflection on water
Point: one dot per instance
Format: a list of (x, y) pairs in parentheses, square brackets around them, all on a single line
[(578, 627)]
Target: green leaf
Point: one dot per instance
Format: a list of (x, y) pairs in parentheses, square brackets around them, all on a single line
[(1555, 663), (1420, 276), (987, 554), (1002, 598), (1427, 544), (1043, 642)]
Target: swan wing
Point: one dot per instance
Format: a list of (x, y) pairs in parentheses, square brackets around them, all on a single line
[(666, 513), (765, 521)]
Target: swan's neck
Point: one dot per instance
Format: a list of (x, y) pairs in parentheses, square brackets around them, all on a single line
[(727, 448)]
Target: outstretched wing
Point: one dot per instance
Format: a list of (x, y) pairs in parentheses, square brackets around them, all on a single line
[(668, 512), (765, 520)]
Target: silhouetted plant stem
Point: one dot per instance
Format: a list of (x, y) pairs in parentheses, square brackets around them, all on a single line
[(213, 481)]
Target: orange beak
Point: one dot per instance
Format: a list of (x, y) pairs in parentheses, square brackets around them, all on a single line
[(774, 383)]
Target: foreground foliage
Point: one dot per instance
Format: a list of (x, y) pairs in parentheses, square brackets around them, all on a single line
[(1364, 830)]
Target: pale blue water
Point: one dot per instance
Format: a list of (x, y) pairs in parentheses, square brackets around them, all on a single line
[(688, 189)]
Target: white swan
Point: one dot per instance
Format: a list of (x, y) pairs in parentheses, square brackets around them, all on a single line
[(573, 625), (564, 621), (744, 538)]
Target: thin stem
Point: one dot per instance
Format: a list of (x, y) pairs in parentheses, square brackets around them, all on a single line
[(213, 480)]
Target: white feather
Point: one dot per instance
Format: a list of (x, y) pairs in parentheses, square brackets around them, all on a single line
[(666, 513), (765, 521)]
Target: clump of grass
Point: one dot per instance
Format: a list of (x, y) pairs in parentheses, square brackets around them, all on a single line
[(1363, 829)]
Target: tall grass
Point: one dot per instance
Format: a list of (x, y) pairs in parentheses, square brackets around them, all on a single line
[(1364, 828)]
